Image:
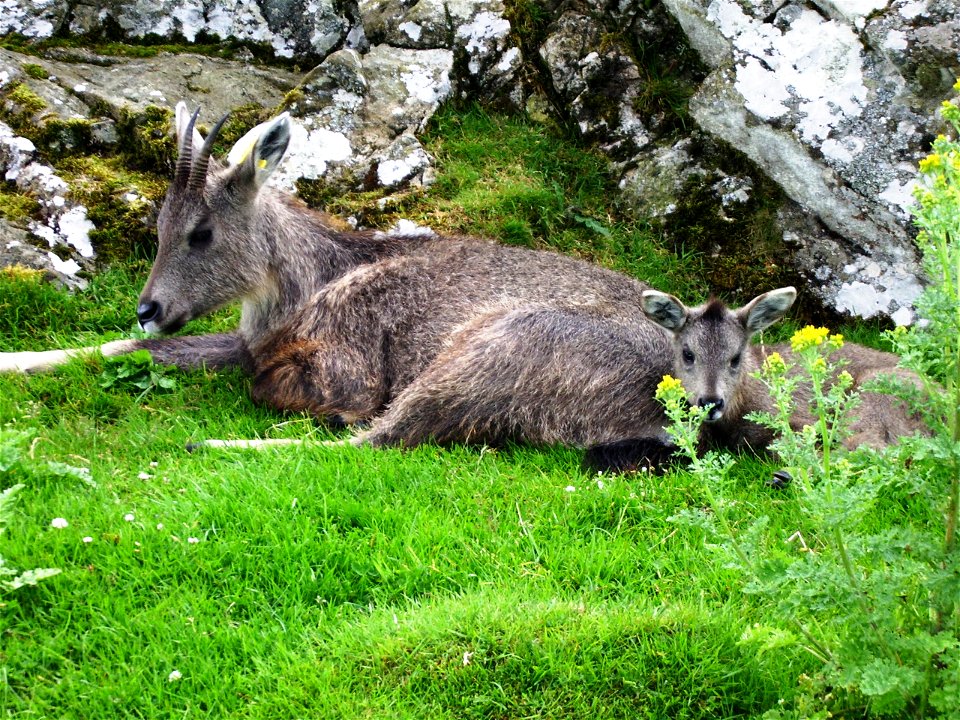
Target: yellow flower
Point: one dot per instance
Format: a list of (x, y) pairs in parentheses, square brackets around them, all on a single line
[(669, 387), (774, 364), (836, 341), (930, 162), (808, 337), (949, 111)]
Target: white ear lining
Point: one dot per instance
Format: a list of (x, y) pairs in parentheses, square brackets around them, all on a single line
[(244, 146), (664, 309), (766, 309), (181, 121)]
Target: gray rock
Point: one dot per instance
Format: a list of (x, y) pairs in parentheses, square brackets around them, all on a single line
[(84, 86), (64, 225), (827, 99), (599, 81), (475, 30), (64, 222), (291, 27), (357, 117), (659, 176), (17, 250), (36, 19)]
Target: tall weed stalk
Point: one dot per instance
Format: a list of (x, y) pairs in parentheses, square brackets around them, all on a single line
[(869, 579)]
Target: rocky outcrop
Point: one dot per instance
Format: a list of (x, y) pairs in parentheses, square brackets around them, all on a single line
[(63, 224), (357, 112), (72, 85), (779, 139), (292, 28), (834, 101), (359, 115)]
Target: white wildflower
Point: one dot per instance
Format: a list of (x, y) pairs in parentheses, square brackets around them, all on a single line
[(59, 523)]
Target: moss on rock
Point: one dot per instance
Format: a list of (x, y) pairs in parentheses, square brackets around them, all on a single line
[(17, 206), (145, 140), (37, 72), (742, 239), (121, 203), (22, 105)]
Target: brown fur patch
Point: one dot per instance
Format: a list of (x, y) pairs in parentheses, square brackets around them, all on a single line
[(285, 380)]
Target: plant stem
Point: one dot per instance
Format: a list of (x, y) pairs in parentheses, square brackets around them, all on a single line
[(954, 503), (861, 596)]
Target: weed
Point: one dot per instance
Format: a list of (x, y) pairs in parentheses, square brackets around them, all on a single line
[(878, 604), (138, 371)]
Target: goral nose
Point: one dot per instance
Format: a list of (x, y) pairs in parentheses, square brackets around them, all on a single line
[(715, 404), (148, 312)]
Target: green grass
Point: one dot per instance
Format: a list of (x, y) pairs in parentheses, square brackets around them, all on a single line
[(344, 583)]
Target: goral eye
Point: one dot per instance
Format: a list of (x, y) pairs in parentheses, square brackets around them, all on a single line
[(688, 356), (735, 361), (200, 237)]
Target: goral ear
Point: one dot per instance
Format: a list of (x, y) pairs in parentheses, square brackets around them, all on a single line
[(258, 153), (665, 310), (766, 309), (182, 124)]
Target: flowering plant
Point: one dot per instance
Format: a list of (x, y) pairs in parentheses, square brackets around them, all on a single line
[(877, 603)]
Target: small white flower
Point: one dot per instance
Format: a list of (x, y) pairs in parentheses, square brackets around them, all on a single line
[(144, 475), (154, 463), (570, 488), (467, 657), (129, 517), (159, 526), (59, 523), (88, 539), (174, 676), (193, 540), (600, 484)]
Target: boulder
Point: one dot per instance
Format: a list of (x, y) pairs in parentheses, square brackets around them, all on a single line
[(358, 116), (598, 80), (63, 223), (291, 28), (830, 101), (476, 31), (17, 250), (77, 84)]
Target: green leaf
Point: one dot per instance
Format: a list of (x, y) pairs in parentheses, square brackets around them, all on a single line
[(82, 474), (887, 684), (31, 577), (7, 501)]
